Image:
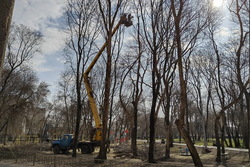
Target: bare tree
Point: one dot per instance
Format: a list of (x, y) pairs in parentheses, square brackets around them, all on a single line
[(65, 94), (35, 114), (16, 95), (125, 96), (109, 11), (240, 12), (225, 81), (188, 26), (134, 70), (25, 103), (82, 33), (197, 83), (118, 39), (151, 13), (23, 43), (168, 71)]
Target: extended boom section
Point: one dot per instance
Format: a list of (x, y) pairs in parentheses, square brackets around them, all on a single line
[(126, 20)]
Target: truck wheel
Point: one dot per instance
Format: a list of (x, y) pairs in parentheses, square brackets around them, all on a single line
[(56, 149), (85, 149)]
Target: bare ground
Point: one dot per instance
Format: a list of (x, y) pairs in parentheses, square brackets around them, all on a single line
[(120, 155)]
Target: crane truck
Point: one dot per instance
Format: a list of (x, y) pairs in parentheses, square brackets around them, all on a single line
[(66, 143)]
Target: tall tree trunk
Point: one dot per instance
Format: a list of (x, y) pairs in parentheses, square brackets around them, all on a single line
[(156, 79), (6, 9), (229, 137), (136, 94), (223, 133), (237, 139), (183, 95), (186, 117), (168, 137), (167, 122), (79, 112), (5, 133), (152, 133), (104, 143), (217, 138), (134, 132)]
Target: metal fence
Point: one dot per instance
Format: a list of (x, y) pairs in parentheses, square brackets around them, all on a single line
[(50, 160), (35, 155)]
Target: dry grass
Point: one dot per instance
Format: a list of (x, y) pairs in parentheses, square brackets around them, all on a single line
[(120, 155)]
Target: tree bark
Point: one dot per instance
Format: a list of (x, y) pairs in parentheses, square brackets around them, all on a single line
[(78, 119), (136, 94), (217, 138), (5, 133), (152, 134), (156, 79), (168, 136), (134, 132), (190, 145), (168, 125), (6, 9), (183, 94), (103, 148), (244, 33)]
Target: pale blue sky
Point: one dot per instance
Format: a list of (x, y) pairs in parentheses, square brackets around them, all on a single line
[(44, 16)]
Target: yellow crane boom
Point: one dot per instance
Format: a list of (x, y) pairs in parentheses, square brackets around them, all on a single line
[(126, 20)]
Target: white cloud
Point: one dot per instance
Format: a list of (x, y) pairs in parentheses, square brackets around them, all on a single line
[(44, 16), (54, 40), (38, 64), (61, 60), (35, 13)]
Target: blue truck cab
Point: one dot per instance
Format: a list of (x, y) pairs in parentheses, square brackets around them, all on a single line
[(64, 144)]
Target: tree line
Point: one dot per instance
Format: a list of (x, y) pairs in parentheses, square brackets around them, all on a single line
[(173, 70)]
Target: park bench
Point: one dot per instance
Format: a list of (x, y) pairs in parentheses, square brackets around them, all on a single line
[(184, 151)]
